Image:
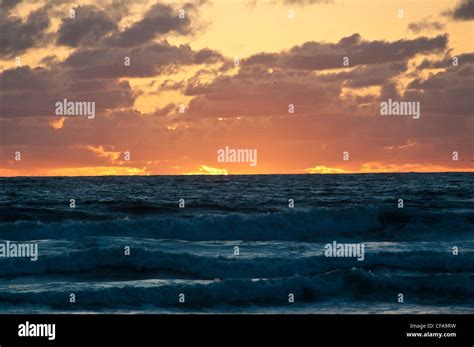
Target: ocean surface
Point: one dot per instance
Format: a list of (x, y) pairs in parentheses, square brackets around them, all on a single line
[(191, 250)]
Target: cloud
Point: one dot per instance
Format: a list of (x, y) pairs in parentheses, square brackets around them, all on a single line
[(110, 155), (446, 92), (447, 61), (207, 56), (463, 11), (409, 143), (30, 92), (259, 92), (425, 25), (368, 75), (335, 106), (17, 35), (147, 61), (88, 27), (26, 78), (266, 83), (160, 19), (321, 56), (9, 4)]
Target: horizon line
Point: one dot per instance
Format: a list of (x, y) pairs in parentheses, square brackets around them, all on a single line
[(247, 174)]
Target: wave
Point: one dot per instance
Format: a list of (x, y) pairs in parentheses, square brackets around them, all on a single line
[(311, 225), (145, 263), (353, 284)]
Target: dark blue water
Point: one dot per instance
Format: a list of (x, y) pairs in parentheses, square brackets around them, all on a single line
[(191, 250)]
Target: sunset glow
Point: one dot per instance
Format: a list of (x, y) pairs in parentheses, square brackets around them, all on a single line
[(279, 77)]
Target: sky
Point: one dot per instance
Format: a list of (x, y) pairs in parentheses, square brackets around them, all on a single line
[(300, 82)]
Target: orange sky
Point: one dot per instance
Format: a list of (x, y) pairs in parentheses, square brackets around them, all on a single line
[(184, 97)]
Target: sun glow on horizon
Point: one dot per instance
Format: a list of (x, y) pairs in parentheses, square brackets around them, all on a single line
[(207, 170)]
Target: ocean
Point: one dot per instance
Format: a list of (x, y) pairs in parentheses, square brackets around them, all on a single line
[(237, 246)]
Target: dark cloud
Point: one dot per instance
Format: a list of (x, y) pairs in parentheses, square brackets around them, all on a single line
[(425, 25), (466, 58), (449, 92), (256, 92), (320, 56), (30, 92), (9, 4), (161, 19), (165, 111), (170, 84), (207, 56), (25, 78), (117, 9), (265, 59), (365, 75), (18, 35), (147, 61), (267, 82), (89, 25), (464, 10), (50, 60)]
